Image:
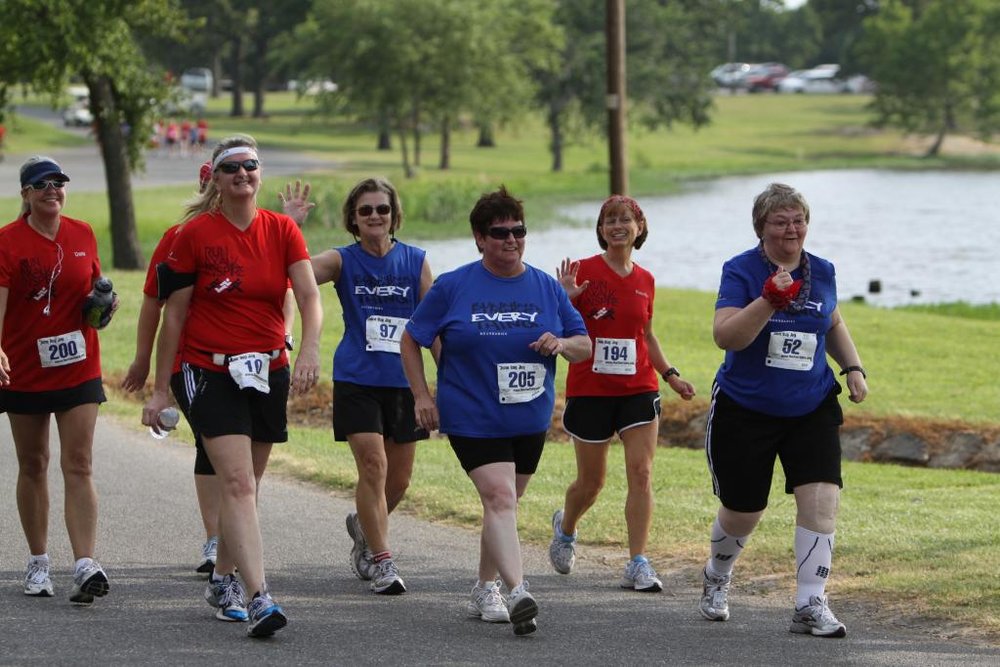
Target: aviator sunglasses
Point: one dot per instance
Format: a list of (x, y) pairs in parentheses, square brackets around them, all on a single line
[(41, 185), (233, 167), (501, 233), (381, 209)]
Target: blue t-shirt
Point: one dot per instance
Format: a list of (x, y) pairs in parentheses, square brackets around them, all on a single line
[(490, 383), (377, 295), (783, 372)]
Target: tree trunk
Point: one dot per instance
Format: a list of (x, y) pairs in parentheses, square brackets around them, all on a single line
[(384, 132), (260, 79), (416, 136), (486, 139), (556, 143), (216, 73), (258, 100), (938, 140), (445, 144), (407, 169), (125, 250), (237, 71)]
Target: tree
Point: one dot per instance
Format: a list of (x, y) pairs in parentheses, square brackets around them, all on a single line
[(937, 66), (99, 42)]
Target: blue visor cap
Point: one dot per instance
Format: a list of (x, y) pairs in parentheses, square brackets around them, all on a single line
[(42, 169)]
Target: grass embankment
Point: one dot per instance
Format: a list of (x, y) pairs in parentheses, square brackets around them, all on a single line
[(910, 541)]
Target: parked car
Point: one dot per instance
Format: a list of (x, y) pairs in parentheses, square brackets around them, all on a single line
[(78, 115), (730, 75), (197, 79), (764, 77), (183, 102), (822, 79)]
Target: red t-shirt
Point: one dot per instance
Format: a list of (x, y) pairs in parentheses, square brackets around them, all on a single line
[(240, 282), (616, 311), (55, 351), (149, 288)]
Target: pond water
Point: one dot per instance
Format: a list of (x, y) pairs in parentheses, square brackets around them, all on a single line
[(927, 237)]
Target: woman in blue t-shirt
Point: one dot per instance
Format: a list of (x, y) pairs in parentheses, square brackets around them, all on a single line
[(501, 324), (776, 397), (379, 282)]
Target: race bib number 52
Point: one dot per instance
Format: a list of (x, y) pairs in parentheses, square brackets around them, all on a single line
[(792, 350)]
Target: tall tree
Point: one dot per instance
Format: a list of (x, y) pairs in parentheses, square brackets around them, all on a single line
[(99, 42), (937, 66)]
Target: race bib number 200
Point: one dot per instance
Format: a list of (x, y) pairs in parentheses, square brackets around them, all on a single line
[(62, 350), (520, 383)]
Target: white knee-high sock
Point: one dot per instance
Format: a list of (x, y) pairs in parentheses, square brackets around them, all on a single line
[(725, 550), (813, 558)]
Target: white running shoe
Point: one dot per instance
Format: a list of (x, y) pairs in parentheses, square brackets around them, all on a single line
[(36, 579), (817, 619), (386, 579), (209, 552), (562, 553), (487, 603), (228, 598), (714, 603), (523, 610), (361, 556), (640, 575), (88, 583)]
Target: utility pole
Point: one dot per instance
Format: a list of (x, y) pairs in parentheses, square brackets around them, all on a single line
[(615, 100)]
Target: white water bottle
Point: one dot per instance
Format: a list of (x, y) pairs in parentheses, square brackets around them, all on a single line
[(166, 422)]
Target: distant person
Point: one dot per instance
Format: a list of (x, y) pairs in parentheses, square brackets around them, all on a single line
[(226, 275), (3, 141), (501, 324), (182, 136), (206, 483), (172, 135), (617, 390), (202, 126), (50, 364), (775, 396)]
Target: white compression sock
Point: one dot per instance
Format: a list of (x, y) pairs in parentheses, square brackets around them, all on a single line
[(813, 559), (725, 550)]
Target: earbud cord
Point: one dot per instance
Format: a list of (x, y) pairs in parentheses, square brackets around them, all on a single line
[(52, 279)]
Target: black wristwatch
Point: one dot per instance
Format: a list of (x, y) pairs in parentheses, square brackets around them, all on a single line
[(670, 371), (855, 368), (289, 342)]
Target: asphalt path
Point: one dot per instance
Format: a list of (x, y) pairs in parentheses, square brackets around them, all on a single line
[(150, 536), (85, 167)]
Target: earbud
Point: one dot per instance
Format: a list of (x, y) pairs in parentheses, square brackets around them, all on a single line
[(46, 311)]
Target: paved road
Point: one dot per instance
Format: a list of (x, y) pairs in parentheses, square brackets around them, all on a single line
[(86, 168), (150, 535)]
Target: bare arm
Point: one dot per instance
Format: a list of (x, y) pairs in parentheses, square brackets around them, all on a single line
[(4, 361), (426, 280), (413, 366), (735, 328), (326, 266), (145, 337), (306, 291), (683, 388), (573, 349), (288, 313), (840, 346), (174, 315)]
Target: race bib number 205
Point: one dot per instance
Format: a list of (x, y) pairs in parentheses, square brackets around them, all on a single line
[(520, 383)]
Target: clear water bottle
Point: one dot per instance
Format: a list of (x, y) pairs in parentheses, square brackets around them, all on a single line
[(97, 307), (166, 422)]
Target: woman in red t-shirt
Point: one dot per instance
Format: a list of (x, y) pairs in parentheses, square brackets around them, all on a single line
[(226, 276), (617, 390), (50, 363)]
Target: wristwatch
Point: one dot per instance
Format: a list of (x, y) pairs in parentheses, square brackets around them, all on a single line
[(855, 368), (670, 371)]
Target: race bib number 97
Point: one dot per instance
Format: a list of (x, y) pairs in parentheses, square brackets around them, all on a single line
[(520, 383), (62, 350), (382, 333)]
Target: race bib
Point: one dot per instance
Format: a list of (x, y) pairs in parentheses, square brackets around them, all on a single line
[(62, 350), (520, 383), (792, 350), (382, 334), (250, 370), (614, 356)]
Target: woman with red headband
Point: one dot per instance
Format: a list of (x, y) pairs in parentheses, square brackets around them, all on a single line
[(617, 389)]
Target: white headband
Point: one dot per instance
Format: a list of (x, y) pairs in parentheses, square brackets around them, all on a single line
[(236, 150)]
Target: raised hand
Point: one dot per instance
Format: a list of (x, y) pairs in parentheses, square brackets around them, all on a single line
[(295, 203), (566, 272)]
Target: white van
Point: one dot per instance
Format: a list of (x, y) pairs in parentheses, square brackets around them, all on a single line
[(197, 80)]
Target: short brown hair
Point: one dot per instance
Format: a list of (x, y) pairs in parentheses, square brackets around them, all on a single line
[(776, 197), (621, 201), (493, 206), (349, 210)]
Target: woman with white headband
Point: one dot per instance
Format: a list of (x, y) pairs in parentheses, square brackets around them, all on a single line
[(224, 282)]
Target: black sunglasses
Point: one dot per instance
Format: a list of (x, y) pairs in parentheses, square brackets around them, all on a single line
[(501, 233), (233, 167), (41, 185), (381, 209)]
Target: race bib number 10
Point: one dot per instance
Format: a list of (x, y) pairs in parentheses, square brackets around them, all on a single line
[(62, 350), (382, 333), (250, 371), (520, 383)]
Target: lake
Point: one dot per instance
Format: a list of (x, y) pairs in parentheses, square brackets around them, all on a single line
[(927, 237)]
